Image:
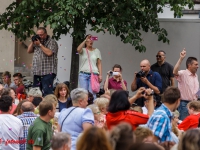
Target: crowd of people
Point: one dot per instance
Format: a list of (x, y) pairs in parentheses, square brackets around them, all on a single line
[(159, 116)]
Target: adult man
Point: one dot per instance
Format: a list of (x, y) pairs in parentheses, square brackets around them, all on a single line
[(6, 76), (44, 63), (11, 128), (188, 83), (27, 117), (40, 132), (160, 122), (61, 141), (20, 90), (164, 69), (149, 79), (116, 82)]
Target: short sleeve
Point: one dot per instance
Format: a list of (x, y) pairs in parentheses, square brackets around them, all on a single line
[(88, 116), (37, 138), (179, 76), (158, 125), (53, 46), (98, 54), (171, 68)]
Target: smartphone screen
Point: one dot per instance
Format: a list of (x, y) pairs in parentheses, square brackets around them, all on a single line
[(94, 38)]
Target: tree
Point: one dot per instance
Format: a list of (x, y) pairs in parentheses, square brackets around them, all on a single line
[(124, 18)]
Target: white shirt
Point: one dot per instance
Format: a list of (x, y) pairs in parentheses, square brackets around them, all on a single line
[(144, 109), (11, 128)]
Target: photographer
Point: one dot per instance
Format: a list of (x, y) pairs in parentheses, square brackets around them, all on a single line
[(148, 79), (116, 82), (44, 65)]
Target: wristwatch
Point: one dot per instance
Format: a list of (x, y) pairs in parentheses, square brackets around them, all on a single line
[(152, 92), (40, 45)]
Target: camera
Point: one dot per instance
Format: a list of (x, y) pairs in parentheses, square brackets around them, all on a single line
[(140, 74), (35, 38), (114, 73)]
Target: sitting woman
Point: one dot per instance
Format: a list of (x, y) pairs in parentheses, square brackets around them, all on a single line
[(192, 120), (62, 94), (78, 118), (118, 109), (116, 81)]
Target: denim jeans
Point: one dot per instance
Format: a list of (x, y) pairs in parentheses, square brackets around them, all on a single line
[(45, 83), (183, 110), (84, 82)]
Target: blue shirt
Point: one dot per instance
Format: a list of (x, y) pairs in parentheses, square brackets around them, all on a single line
[(73, 123), (160, 123), (155, 79), (27, 119)]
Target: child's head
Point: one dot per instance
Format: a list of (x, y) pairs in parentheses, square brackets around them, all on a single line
[(102, 103), (193, 107), (95, 110), (136, 108), (175, 119), (143, 134)]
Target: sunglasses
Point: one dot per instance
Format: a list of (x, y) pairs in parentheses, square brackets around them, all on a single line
[(158, 56)]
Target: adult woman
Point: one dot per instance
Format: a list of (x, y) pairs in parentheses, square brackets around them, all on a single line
[(93, 139), (94, 60), (78, 118), (118, 109), (62, 93), (116, 81)]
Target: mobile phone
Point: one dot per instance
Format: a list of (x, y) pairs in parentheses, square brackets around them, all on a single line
[(94, 38)]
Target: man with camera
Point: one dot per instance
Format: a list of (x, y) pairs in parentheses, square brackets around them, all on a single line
[(116, 82), (44, 65), (148, 79)]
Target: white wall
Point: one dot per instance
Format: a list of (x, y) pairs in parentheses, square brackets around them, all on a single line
[(181, 32)]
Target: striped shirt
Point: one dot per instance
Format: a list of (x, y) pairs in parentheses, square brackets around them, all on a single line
[(188, 84), (160, 123), (27, 119)]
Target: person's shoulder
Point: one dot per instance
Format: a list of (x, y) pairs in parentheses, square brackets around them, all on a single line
[(154, 65)]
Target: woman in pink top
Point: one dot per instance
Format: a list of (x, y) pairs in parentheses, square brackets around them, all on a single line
[(116, 81)]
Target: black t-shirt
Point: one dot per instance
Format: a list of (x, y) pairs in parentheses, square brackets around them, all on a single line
[(165, 71)]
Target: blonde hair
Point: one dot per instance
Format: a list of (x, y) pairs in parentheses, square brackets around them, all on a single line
[(93, 107), (101, 102), (51, 98), (137, 108), (141, 133)]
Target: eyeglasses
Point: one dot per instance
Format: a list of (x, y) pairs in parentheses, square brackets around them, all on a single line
[(158, 56)]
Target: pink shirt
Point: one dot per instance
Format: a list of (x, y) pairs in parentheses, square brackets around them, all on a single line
[(188, 84), (114, 84)]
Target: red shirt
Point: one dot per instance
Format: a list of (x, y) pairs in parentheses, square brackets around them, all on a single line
[(114, 84), (20, 89), (132, 117), (191, 121)]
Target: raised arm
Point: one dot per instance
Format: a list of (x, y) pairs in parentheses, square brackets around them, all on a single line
[(80, 47), (177, 66), (134, 84), (30, 48), (137, 95), (107, 79)]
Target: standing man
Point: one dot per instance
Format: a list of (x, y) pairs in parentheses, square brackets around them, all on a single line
[(188, 83), (147, 79), (44, 69), (164, 69)]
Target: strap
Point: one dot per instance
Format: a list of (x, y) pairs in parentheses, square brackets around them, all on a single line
[(66, 118), (89, 60)]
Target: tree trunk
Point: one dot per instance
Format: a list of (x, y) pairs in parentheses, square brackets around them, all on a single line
[(78, 37)]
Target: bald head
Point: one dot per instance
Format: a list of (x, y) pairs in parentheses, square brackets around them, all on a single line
[(145, 65), (27, 107)]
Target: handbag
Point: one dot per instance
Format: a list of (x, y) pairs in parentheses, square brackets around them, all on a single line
[(94, 81)]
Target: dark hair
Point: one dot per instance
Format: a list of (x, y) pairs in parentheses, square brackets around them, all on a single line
[(6, 73), (171, 95), (18, 75), (161, 51), (44, 107), (42, 28), (117, 66), (190, 61), (119, 101), (5, 103), (36, 101)]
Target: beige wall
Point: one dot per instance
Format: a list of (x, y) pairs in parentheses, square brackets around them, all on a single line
[(7, 44)]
